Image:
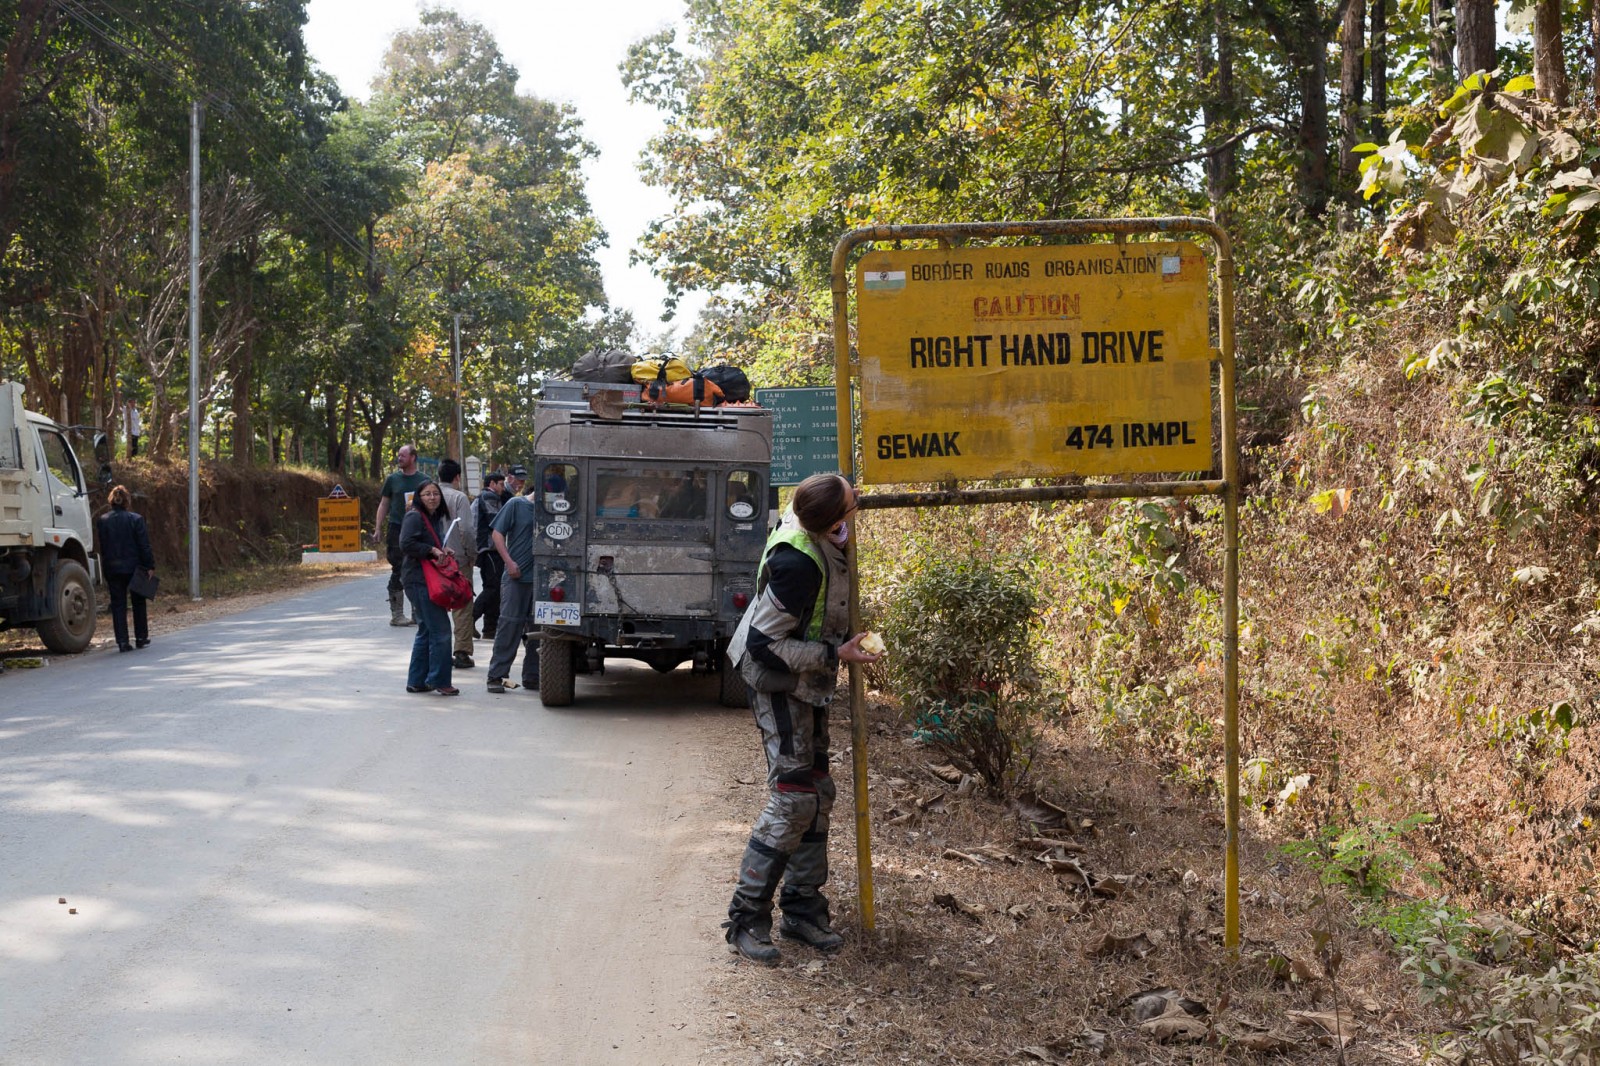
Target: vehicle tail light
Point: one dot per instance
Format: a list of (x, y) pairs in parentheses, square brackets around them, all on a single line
[(740, 600), (558, 594)]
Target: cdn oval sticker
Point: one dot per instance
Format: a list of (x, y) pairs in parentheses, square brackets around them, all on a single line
[(558, 531)]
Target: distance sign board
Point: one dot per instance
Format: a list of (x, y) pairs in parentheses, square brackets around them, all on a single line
[(1044, 361), (338, 524), (805, 432)]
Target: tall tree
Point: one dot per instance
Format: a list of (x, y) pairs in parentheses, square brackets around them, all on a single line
[(1475, 36), (498, 227), (1220, 109), (1594, 49), (1303, 29), (1352, 82), (1441, 45), (1549, 59), (1379, 67)]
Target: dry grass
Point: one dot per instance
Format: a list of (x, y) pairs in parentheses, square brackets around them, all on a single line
[(1028, 975)]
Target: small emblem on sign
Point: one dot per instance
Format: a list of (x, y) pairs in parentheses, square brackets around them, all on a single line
[(558, 531), (884, 280), (1171, 264)]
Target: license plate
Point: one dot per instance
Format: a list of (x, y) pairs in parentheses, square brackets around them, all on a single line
[(550, 613)]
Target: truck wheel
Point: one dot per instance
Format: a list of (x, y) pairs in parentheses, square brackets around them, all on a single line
[(69, 630), (556, 683), (735, 692)]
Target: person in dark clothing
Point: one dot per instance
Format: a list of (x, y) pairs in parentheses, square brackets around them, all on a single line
[(422, 537), (490, 565), (124, 549), (788, 648)]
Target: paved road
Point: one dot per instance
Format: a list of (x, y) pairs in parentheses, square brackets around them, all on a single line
[(278, 856)]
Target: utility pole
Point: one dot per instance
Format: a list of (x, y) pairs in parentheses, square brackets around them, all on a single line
[(194, 350), (455, 343)]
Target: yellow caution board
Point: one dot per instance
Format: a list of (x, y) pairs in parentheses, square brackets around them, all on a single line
[(338, 524), (996, 362)]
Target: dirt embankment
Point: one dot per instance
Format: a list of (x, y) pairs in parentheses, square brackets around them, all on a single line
[(247, 515)]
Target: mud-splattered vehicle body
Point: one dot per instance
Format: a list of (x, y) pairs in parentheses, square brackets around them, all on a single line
[(651, 526)]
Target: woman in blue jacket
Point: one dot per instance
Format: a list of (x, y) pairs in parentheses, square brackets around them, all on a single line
[(124, 549), (422, 534)]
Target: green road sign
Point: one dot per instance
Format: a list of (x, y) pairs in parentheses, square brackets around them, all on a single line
[(805, 432)]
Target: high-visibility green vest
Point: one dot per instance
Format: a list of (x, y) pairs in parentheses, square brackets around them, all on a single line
[(798, 538)]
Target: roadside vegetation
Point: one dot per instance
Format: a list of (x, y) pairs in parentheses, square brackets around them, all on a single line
[(1418, 351)]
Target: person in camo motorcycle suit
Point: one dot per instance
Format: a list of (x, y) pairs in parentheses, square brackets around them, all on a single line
[(788, 646)]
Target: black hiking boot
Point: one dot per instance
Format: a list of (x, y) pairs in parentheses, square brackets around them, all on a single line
[(816, 933), (753, 945)]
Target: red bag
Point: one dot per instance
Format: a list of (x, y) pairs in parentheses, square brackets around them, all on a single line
[(448, 587)]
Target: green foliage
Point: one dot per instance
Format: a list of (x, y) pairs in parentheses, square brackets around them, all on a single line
[(962, 630), (962, 626), (1366, 858), (339, 238), (1550, 1017)]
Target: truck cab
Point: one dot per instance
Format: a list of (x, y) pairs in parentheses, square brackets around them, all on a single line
[(48, 567), (651, 525)]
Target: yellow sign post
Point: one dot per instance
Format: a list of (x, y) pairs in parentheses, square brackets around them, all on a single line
[(338, 524), (1041, 361), (1031, 362)]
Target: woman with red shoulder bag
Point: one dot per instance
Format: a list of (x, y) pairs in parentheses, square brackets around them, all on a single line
[(422, 540)]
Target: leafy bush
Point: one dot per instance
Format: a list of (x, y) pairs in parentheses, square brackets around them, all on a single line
[(1551, 1017), (964, 664), (1366, 859), (961, 628)]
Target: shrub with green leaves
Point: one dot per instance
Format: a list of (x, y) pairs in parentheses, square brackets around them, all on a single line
[(1550, 1017), (963, 661)]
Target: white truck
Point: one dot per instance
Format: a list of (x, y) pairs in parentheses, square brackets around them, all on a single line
[(48, 565)]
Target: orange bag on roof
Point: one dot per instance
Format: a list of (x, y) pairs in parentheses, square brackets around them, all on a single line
[(696, 390)]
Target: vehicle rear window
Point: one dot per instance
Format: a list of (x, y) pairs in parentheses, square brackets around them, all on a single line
[(558, 484), (743, 494), (650, 493)]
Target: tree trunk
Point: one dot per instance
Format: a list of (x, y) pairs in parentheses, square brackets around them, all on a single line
[(1475, 36), (243, 444), (1549, 61), (346, 416), (1304, 31), (1379, 64), (1313, 177), (1594, 47), (243, 360), (1352, 82), (331, 424), (1442, 45), (379, 435)]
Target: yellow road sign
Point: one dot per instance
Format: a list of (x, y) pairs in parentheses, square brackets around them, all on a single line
[(338, 524), (1043, 361)]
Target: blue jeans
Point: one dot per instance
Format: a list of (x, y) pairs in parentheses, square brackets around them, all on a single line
[(430, 650)]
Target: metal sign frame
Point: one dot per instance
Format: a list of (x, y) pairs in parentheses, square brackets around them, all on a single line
[(1227, 487)]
